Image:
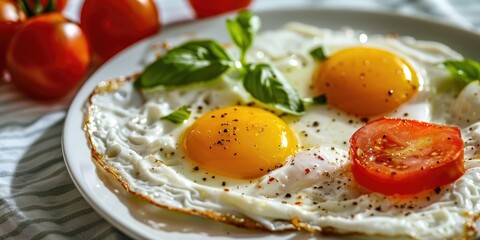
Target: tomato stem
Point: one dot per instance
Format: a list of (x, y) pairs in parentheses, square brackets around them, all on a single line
[(51, 6), (38, 7), (24, 5)]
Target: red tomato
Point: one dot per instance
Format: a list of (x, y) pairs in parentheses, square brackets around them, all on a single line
[(48, 56), (11, 18), (206, 8), (399, 156), (112, 25)]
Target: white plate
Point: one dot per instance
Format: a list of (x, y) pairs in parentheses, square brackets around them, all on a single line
[(140, 220)]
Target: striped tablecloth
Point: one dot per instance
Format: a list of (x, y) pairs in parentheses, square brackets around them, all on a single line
[(37, 197)]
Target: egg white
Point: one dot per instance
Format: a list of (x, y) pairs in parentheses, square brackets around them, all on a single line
[(314, 190)]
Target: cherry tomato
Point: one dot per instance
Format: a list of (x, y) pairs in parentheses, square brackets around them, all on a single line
[(207, 8), (48, 56), (112, 25), (11, 18), (399, 156)]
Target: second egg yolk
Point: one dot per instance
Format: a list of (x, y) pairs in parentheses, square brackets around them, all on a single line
[(366, 81), (240, 142)]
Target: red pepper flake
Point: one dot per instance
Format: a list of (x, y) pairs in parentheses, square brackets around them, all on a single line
[(226, 190), (307, 171), (298, 203)]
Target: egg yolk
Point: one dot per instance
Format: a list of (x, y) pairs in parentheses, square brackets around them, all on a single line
[(240, 142), (366, 81)]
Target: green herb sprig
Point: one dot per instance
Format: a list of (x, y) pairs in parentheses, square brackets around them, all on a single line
[(205, 60), (178, 116), (242, 31), (467, 70), (193, 62), (318, 54)]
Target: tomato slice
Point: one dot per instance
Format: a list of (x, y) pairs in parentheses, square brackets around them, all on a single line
[(400, 156)]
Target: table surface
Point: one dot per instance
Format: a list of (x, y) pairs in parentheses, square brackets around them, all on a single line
[(37, 197)]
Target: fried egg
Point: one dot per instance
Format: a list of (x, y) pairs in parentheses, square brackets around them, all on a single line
[(238, 161)]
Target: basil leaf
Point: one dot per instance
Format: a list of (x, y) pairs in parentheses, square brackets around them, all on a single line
[(318, 54), (268, 85), (193, 62), (178, 116), (242, 30), (468, 70)]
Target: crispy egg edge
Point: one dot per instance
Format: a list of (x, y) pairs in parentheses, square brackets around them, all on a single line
[(110, 86)]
